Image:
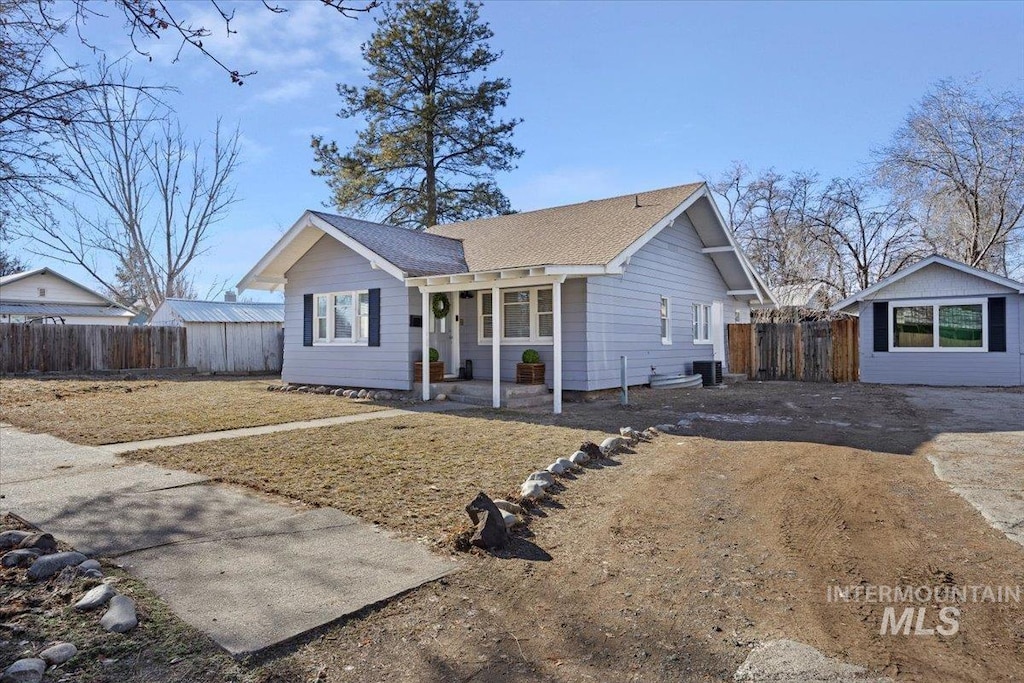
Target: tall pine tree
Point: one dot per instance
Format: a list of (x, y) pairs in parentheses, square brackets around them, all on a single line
[(432, 141)]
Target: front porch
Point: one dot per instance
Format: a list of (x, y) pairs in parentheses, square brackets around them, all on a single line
[(481, 393), (467, 330)]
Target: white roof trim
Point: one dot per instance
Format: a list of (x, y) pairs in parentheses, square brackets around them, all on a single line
[(309, 219), (484, 279), (924, 263), (15, 277), (623, 257)]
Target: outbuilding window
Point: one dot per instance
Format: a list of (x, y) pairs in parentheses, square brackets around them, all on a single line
[(341, 318), (935, 325), (527, 316), (666, 320)]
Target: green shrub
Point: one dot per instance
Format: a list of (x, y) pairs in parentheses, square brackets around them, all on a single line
[(531, 356), (434, 355)]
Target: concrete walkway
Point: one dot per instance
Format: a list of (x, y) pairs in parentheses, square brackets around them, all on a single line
[(432, 407), (978, 448), (249, 572)]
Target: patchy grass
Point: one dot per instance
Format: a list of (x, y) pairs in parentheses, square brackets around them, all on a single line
[(412, 473), (101, 411)]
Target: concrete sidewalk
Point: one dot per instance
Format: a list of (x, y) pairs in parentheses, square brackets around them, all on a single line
[(433, 407), (249, 572)]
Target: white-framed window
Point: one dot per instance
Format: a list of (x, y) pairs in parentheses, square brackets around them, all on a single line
[(341, 318), (702, 323), (666, 320), (527, 316), (955, 325)]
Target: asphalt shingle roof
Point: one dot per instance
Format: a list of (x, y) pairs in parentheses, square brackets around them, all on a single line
[(416, 253), (589, 233)]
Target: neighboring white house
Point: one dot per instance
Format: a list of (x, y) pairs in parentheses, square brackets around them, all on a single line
[(941, 322), (45, 296), (227, 336), (654, 277), (802, 295)]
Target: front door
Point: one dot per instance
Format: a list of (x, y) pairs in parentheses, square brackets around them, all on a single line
[(441, 335), (718, 332)]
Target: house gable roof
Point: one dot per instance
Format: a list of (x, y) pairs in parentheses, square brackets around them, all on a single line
[(798, 295), (934, 259), (15, 277), (193, 311), (588, 238), (587, 233)]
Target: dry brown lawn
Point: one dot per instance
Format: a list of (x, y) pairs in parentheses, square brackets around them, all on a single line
[(101, 411), (412, 473)]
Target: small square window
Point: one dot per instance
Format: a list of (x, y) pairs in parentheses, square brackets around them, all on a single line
[(42, 291)]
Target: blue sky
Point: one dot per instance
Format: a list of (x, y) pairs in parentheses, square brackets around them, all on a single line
[(616, 97)]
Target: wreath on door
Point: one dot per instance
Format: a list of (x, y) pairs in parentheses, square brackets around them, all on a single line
[(440, 305)]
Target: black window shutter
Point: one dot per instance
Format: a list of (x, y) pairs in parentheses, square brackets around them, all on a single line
[(997, 323), (307, 319), (880, 319), (374, 317)]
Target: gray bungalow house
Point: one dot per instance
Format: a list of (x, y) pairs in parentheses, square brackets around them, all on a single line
[(654, 276), (943, 323)]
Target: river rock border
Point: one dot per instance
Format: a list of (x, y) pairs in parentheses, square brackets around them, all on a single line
[(538, 487), (38, 555)]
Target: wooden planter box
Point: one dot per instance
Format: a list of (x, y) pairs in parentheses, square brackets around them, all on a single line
[(436, 371), (529, 373)]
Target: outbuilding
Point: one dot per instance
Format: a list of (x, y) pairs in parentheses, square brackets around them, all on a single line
[(227, 336), (943, 323)]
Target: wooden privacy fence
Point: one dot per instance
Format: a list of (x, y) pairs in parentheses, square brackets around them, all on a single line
[(236, 347), (87, 348), (817, 351)]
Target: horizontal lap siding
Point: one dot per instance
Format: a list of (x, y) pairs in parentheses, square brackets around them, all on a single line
[(949, 368), (623, 311), (574, 361), (329, 267)]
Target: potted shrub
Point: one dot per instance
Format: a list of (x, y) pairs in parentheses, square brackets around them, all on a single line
[(531, 370), (436, 368)]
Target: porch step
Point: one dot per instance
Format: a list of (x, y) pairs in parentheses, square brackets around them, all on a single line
[(479, 393), (509, 391), (535, 401)]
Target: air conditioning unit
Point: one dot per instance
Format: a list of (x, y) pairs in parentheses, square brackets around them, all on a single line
[(709, 370)]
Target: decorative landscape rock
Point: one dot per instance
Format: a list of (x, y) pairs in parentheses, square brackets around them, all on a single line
[(579, 458), (383, 396), (24, 671), (667, 427), (509, 519), (44, 543), (11, 539), (629, 433), (491, 531), (89, 564), (97, 597), (362, 393), (612, 445), (338, 392), (441, 397), (591, 449), (57, 654), (506, 506), (19, 558), (90, 573), (48, 565), (532, 490), (558, 467), (120, 616), (543, 477), (649, 434)]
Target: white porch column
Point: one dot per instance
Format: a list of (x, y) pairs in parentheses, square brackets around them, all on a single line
[(556, 371), (455, 329), (496, 328), (425, 336)]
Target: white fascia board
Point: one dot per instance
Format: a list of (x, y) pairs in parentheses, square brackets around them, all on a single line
[(508, 283), (623, 257), (748, 268), (924, 263), (742, 292), (253, 278), (717, 250)]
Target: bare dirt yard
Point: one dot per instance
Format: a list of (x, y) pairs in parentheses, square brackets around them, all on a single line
[(667, 564), (102, 411)]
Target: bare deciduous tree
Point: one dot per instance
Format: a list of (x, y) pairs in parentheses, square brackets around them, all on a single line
[(958, 160), (152, 198), (866, 235)]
